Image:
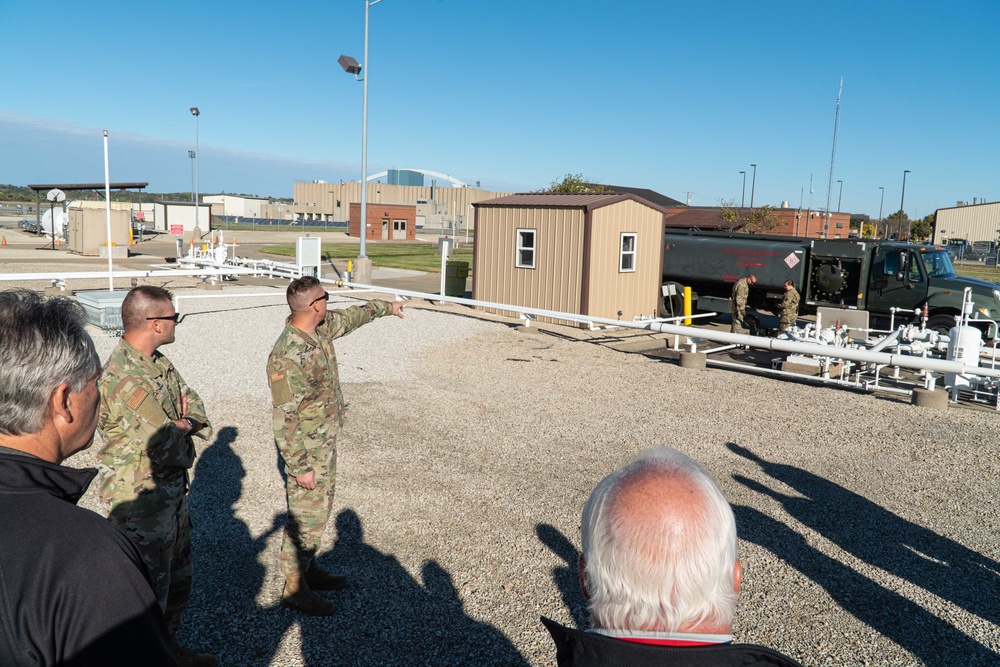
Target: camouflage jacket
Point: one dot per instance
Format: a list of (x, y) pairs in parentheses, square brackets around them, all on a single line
[(788, 307), (305, 385), (740, 293), (143, 451)]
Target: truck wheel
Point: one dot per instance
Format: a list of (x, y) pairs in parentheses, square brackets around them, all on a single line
[(941, 323), (673, 305)]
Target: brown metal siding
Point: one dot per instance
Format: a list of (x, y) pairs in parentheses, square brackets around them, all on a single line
[(609, 290), (554, 283)]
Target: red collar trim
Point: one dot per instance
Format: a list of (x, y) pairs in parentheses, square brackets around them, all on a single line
[(664, 642)]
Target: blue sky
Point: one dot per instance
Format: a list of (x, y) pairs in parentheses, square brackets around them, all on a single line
[(674, 96)]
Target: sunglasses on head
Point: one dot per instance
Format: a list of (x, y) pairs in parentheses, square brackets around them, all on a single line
[(173, 318), (325, 297)]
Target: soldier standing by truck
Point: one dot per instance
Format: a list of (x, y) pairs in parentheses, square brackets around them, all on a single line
[(738, 308), (788, 307)]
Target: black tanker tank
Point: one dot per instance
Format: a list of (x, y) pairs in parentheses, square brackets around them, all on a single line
[(725, 259)]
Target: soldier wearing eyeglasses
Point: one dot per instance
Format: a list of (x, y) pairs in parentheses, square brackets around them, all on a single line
[(147, 418), (308, 412)]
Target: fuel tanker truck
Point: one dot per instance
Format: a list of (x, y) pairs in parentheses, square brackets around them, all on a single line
[(857, 274)]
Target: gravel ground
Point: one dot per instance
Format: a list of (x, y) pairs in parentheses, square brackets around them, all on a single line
[(868, 527)]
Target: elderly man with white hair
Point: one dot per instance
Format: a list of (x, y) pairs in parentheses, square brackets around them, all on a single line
[(661, 572)]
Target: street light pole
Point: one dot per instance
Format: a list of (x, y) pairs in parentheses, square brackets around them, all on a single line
[(841, 196), (195, 112), (362, 253), (192, 154), (753, 186), (743, 197), (362, 273), (902, 199), (881, 201)]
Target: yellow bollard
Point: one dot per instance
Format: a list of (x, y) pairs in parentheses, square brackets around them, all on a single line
[(687, 306), (350, 265)]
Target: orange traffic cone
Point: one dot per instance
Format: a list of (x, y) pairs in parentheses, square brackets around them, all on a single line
[(58, 241), (4, 242)]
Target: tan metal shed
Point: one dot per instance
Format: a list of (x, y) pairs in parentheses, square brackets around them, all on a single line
[(588, 254)]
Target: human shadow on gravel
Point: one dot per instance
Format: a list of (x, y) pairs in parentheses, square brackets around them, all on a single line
[(886, 541), (566, 578), (387, 617), (224, 617)]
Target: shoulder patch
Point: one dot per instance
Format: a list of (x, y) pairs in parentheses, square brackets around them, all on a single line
[(137, 397), (281, 390)]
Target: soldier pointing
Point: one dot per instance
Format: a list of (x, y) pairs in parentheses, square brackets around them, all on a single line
[(308, 413)]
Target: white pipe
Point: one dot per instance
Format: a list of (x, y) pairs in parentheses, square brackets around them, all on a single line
[(794, 347), (799, 376), (879, 346), (178, 297), (77, 275)]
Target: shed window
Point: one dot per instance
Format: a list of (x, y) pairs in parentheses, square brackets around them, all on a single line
[(627, 259), (525, 258)]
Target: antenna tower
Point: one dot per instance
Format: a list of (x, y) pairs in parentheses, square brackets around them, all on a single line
[(833, 157)]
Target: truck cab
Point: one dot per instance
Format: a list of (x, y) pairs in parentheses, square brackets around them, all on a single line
[(908, 277)]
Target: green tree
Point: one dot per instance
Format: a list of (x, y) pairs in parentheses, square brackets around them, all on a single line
[(573, 183), (922, 228), (897, 225), (756, 220)]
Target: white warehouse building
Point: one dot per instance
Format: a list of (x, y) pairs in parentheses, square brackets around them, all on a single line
[(975, 222)]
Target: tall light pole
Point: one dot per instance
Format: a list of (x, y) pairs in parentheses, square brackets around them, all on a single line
[(902, 200), (743, 197), (192, 154), (881, 201), (841, 196), (197, 220), (351, 66), (753, 186)]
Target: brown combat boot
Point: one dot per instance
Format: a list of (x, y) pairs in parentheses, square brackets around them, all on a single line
[(319, 579), (298, 597), (188, 658)]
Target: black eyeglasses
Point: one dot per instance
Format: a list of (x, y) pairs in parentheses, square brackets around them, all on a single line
[(173, 318), (325, 297)]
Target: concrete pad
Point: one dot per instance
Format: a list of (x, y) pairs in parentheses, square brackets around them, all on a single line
[(694, 360), (930, 398)]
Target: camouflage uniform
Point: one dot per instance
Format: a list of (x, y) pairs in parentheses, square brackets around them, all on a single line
[(738, 305), (788, 309), (308, 413), (144, 463)]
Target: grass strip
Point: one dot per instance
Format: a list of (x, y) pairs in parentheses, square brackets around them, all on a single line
[(396, 256)]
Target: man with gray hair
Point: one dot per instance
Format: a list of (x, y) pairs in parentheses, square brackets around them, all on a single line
[(74, 589), (660, 568)]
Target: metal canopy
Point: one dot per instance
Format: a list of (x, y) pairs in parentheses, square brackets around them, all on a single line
[(39, 188), (87, 186)]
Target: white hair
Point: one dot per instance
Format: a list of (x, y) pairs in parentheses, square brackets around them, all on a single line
[(672, 567), (43, 344)]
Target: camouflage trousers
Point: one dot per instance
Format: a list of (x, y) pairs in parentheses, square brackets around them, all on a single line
[(738, 316), (164, 540), (308, 514)]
